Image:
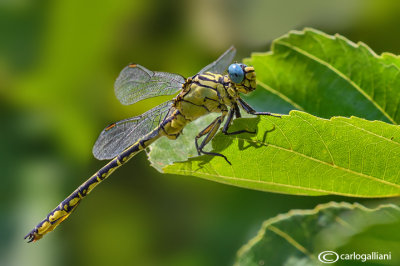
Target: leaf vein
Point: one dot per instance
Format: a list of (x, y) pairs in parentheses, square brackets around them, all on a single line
[(339, 73), (291, 241), (319, 135), (278, 184), (322, 162)]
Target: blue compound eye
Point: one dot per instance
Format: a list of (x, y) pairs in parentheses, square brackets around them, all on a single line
[(236, 73)]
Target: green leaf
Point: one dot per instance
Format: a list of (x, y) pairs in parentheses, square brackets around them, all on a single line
[(329, 75), (298, 237), (302, 154)]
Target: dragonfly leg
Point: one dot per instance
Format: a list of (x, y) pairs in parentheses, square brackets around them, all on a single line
[(234, 110), (251, 111), (210, 131), (237, 111), (204, 132)]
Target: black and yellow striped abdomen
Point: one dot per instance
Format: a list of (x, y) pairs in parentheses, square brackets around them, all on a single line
[(68, 205)]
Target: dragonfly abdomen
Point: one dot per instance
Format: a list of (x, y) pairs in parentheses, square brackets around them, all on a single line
[(68, 205)]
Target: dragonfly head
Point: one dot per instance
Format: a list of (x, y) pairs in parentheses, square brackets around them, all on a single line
[(242, 77)]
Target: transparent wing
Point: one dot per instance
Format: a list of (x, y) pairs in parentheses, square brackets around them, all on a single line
[(136, 83), (222, 63), (118, 136)]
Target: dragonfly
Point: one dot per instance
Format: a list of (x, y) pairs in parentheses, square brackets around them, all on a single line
[(209, 91)]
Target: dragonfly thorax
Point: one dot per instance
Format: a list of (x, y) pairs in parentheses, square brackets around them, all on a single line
[(202, 94)]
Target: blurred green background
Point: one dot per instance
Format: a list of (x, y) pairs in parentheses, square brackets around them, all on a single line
[(58, 63)]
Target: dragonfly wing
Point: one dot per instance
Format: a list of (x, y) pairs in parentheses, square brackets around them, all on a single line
[(118, 136), (136, 83), (221, 64)]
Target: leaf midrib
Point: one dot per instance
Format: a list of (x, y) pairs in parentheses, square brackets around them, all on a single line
[(339, 73)]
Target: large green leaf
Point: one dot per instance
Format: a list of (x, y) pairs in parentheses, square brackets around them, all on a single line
[(298, 237), (302, 154), (329, 75)]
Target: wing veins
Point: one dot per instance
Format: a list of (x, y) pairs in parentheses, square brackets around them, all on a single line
[(113, 140)]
